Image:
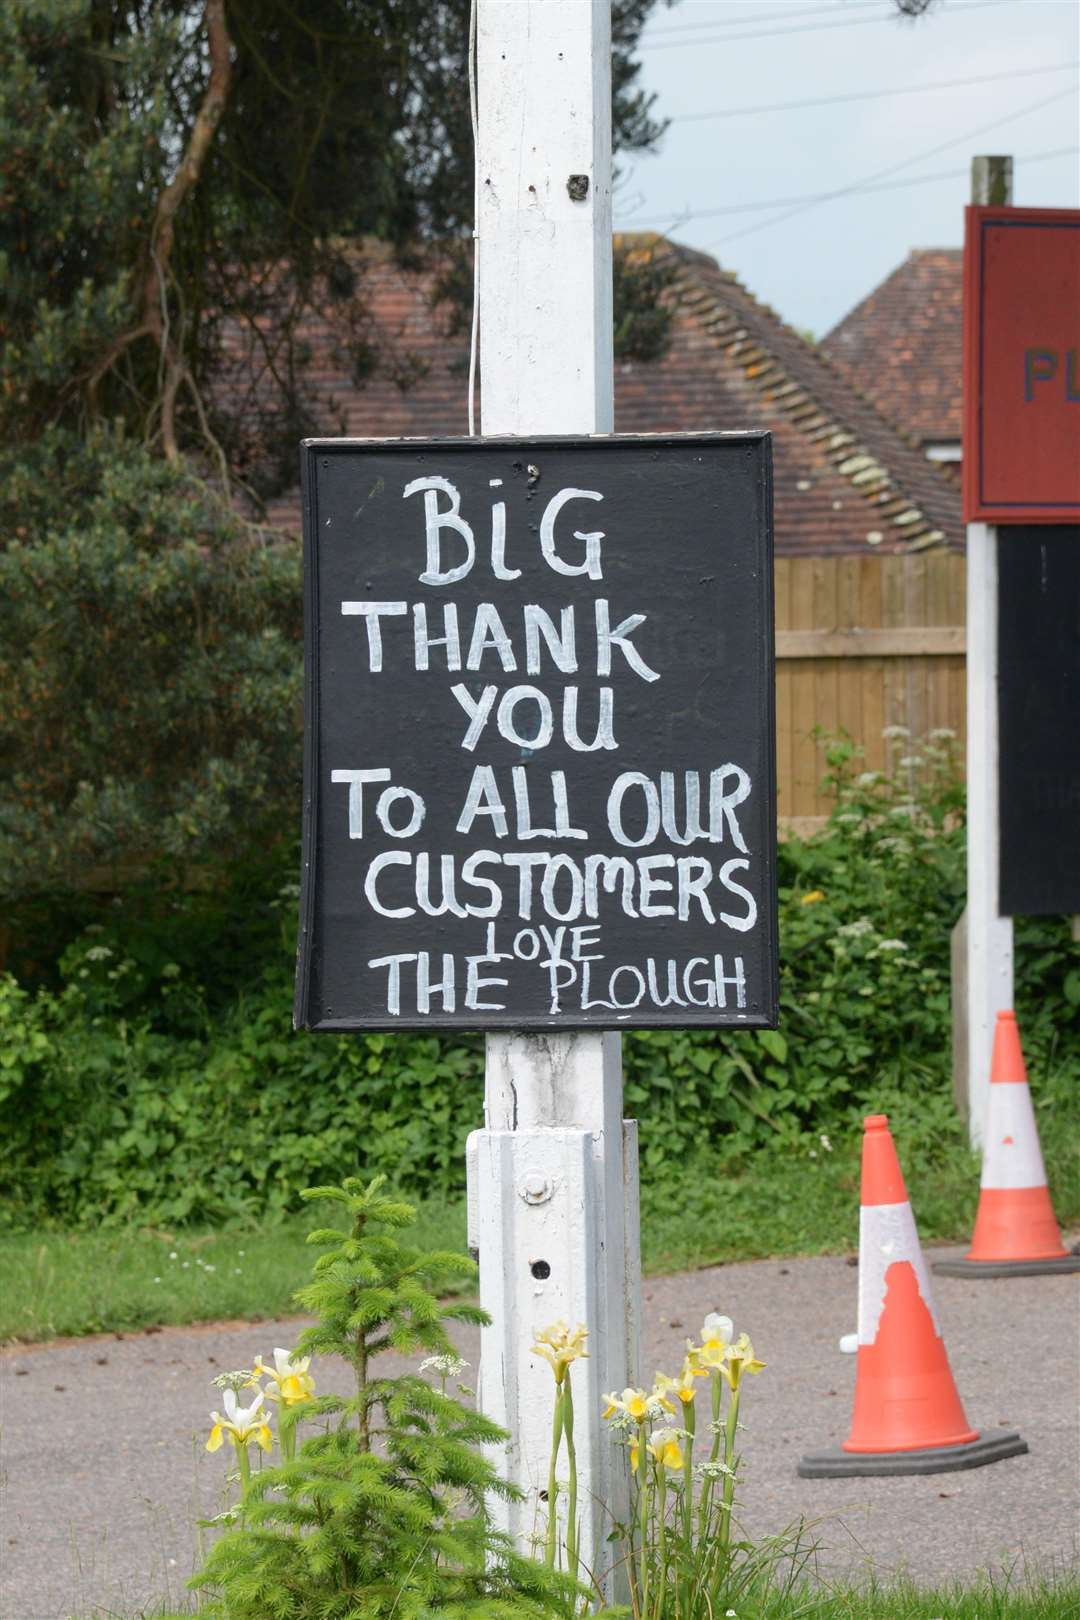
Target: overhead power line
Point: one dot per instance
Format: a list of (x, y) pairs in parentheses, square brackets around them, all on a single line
[(844, 6), (810, 200), (872, 95), (870, 180), (711, 38), (863, 190)]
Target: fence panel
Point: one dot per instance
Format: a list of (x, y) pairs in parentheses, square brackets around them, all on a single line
[(862, 643)]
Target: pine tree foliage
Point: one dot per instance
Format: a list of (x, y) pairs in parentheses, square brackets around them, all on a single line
[(385, 1510)]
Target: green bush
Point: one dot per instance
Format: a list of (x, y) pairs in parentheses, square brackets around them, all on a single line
[(151, 663), (158, 1077)]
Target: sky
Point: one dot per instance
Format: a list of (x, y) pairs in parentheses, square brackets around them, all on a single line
[(701, 57)]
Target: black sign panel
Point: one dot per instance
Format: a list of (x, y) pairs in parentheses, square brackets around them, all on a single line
[(1039, 718), (539, 764)]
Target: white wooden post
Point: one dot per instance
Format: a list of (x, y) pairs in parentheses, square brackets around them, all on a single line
[(553, 1175), (989, 974), (988, 946)]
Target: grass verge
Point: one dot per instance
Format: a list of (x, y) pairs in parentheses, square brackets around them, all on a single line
[(802, 1202)]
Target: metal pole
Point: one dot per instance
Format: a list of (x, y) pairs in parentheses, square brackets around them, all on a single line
[(987, 937), (553, 1176)]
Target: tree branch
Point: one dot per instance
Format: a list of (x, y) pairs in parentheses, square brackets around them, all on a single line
[(152, 317), (203, 131)]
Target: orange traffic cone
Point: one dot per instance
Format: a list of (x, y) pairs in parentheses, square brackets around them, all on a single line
[(908, 1418), (1015, 1234)]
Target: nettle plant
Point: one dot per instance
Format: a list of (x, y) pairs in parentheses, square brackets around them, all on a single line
[(383, 1509)]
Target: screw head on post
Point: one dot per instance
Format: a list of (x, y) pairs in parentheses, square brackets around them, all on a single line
[(535, 1187)]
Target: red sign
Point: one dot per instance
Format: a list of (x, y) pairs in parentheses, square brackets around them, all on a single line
[(1022, 365)]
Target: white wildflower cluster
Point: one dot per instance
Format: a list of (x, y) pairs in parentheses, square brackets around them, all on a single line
[(861, 929), (896, 733), (714, 1470), (242, 1378), (447, 1366)]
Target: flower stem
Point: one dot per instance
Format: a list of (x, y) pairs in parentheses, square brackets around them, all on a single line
[(244, 1463), (661, 1534), (729, 1459), (689, 1424), (643, 1494), (553, 1485), (287, 1436), (714, 1454), (571, 1457)]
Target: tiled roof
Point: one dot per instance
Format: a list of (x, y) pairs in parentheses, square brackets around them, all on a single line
[(845, 480), (902, 344)]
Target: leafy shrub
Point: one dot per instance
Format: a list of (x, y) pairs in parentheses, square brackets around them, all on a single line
[(158, 1077), (385, 1512), (150, 657)]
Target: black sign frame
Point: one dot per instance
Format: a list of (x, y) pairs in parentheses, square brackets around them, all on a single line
[(528, 456), (1038, 694)]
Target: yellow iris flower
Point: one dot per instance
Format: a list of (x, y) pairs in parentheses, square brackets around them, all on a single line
[(638, 1404), (664, 1446), (242, 1423), (559, 1346), (683, 1384), (716, 1331), (290, 1381), (740, 1360)]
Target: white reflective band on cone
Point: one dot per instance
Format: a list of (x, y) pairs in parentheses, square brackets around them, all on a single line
[(1012, 1156), (887, 1234)]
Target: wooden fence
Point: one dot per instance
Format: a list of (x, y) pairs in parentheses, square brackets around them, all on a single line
[(862, 643)]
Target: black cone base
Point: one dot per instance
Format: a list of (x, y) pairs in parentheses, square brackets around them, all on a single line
[(1007, 1268), (992, 1445)]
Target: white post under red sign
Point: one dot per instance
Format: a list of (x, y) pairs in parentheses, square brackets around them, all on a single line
[(985, 985), (553, 1175)]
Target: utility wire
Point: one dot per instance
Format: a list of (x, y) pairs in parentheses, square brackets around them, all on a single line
[(871, 95), (806, 28), (811, 199), (843, 7), (906, 163), (865, 190)]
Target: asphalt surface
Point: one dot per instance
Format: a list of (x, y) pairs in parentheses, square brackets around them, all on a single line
[(104, 1470)]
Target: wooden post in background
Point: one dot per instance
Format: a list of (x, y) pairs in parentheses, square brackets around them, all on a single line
[(553, 1176), (983, 939)]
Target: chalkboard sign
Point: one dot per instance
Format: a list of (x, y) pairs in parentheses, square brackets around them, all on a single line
[(1039, 718), (539, 741)]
